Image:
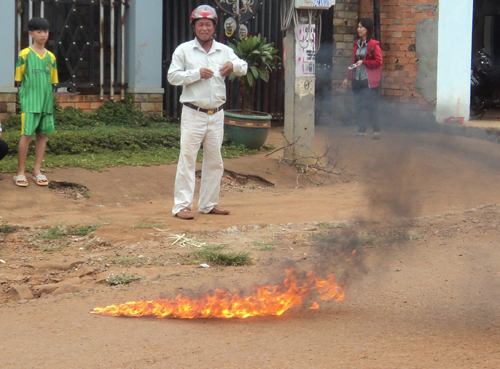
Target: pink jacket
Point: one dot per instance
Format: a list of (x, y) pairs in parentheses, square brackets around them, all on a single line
[(373, 62)]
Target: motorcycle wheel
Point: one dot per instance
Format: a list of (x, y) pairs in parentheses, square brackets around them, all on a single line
[(477, 108)]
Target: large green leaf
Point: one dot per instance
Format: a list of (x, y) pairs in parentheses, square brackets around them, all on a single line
[(255, 72), (260, 55)]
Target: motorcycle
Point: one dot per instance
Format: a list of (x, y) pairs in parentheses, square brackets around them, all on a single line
[(485, 81)]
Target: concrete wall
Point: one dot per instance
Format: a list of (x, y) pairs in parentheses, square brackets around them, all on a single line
[(427, 51), (8, 59), (454, 59), (144, 46)]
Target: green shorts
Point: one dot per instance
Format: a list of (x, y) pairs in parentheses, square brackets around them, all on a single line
[(37, 123)]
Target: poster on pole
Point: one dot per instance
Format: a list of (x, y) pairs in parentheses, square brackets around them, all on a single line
[(305, 36)]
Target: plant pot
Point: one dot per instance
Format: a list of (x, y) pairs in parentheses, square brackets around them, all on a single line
[(250, 130)]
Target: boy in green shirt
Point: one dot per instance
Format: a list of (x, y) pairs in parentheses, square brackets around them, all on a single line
[(36, 70)]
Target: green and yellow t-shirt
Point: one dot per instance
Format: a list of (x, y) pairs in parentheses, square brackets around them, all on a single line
[(37, 74)]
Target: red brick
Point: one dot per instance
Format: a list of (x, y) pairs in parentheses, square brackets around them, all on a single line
[(96, 105), (7, 97), (410, 67), (82, 105), (73, 98), (61, 98)]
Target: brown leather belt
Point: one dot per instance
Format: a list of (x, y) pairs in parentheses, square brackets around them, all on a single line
[(208, 111)]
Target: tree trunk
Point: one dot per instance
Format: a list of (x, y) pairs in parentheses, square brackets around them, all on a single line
[(247, 95)]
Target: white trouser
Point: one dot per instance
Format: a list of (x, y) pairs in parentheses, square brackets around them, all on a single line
[(197, 128)]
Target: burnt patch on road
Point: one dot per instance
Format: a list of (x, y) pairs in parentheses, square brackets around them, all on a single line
[(70, 190)]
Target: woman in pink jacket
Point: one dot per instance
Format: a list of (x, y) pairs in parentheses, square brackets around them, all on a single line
[(364, 74)]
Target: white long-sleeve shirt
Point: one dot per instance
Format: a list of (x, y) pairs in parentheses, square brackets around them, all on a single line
[(184, 71)]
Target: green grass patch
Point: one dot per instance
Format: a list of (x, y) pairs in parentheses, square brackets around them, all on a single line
[(60, 231), (357, 242), (128, 261), (123, 278), (324, 236), (8, 228), (325, 225), (213, 255), (263, 245), (147, 225), (83, 230), (118, 134), (401, 237), (50, 248), (109, 158)]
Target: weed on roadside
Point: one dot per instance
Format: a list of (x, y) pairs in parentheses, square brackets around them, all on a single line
[(147, 225), (401, 236), (128, 261), (324, 236), (263, 245), (123, 278), (60, 232), (8, 228), (83, 230), (214, 256), (325, 225), (51, 248)]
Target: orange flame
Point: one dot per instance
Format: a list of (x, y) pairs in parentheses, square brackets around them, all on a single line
[(263, 301)]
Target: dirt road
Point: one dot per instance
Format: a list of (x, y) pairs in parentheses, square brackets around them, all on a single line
[(421, 209)]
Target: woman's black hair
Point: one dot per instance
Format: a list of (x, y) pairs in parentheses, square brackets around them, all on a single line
[(37, 24), (368, 24)]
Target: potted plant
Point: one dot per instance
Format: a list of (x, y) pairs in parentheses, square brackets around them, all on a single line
[(246, 126)]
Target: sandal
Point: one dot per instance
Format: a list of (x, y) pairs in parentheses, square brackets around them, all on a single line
[(41, 180), (20, 181)]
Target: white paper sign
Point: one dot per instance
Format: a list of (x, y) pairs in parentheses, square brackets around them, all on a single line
[(305, 50)]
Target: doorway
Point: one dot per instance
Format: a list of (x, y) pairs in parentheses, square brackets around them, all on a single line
[(485, 83)]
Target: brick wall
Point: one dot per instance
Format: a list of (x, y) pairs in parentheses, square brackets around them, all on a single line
[(7, 104), (399, 19), (345, 23), (148, 103)]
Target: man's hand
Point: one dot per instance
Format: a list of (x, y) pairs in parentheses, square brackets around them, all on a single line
[(226, 69), (206, 73), (0, 135)]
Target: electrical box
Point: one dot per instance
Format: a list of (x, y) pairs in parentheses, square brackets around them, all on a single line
[(314, 4)]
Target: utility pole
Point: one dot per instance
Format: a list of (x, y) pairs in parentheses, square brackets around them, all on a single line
[(300, 79), (299, 100)]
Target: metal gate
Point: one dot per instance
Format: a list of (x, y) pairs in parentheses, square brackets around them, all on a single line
[(86, 33), (176, 30)]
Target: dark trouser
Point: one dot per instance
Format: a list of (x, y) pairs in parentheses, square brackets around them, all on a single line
[(4, 149), (365, 102)]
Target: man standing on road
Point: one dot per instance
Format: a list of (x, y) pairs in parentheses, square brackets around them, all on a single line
[(201, 66)]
